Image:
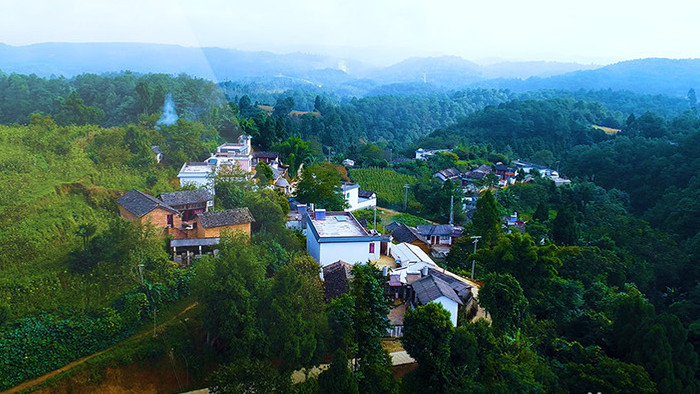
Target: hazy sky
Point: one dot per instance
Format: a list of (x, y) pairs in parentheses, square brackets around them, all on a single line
[(599, 31)]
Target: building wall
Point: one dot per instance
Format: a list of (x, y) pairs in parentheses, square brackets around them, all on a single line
[(212, 232), (128, 215), (450, 306), (362, 203), (350, 252), (351, 198), (197, 181), (313, 248), (157, 217)]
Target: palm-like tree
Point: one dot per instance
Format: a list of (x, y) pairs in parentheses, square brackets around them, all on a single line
[(86, 231)]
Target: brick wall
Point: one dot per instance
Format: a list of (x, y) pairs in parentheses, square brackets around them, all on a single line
[(216, 231)]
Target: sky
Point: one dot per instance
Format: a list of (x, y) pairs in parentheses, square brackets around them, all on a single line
[(375, 31)]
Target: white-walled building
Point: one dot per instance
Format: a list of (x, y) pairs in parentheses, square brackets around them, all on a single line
[(227, 156), (358, 199), (333, 236), (433, 289)]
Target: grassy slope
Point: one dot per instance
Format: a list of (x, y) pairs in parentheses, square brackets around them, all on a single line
[(44, 196)]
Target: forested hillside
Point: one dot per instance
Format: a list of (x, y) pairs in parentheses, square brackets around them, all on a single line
[(599, 292)]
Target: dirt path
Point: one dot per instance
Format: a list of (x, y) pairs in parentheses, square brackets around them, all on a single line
[(31, 383)]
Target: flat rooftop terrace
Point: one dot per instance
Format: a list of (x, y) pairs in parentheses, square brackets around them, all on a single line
[(338, 224), (196, 167)]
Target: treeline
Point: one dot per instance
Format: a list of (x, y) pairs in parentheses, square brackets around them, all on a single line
[(106, 100), (394, 119), (576, 300)]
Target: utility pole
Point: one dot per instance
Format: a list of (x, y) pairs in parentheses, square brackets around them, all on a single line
[(330, 149), (141, 273), (375, 218), (476, 241), (154, 321), (405, 195), (452, 209)]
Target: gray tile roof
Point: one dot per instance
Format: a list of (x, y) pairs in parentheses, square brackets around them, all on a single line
[(449, 173), (265, 155), (186, 197), (228, 217), (177, 243), (140, 203), (435, 229), (404, 233), (463, 290), (336, 277), (430, 288), (365, 193)]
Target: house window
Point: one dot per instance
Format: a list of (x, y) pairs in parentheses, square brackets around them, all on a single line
[(445, 239), (371, 247), (170, 220)]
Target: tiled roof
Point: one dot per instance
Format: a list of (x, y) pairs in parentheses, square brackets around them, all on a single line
[(228, 217), (282, 182), (335, 278), (365, 193), (430, 288), (404, 233), (186, 197), (448, 173), (140, 203), (463, 290), (435, 229), (391, 226)]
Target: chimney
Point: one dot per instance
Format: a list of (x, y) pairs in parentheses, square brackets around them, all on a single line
[(424, 272)]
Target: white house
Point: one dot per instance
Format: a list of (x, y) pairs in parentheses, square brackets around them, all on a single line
[(433, 289), (358, 199), (197, 174), (333, 236), (227, 156)]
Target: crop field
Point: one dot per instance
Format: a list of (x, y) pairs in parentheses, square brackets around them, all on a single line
[(387, 183)]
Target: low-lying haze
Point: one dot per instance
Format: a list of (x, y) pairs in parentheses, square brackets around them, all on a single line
[(380, 32)]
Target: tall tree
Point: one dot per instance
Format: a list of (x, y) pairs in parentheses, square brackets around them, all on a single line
[(338, 378), (486, 221), (370, 323), (320, 184), (293, 314), (564, 227), (503, 298), (229, 287), (427, 336)]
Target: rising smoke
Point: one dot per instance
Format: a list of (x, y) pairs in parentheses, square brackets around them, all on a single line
[(169, 116)]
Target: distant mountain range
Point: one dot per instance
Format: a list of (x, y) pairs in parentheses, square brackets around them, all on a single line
[(347, 76)]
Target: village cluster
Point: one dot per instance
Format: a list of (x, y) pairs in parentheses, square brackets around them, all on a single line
[(337, 240)]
